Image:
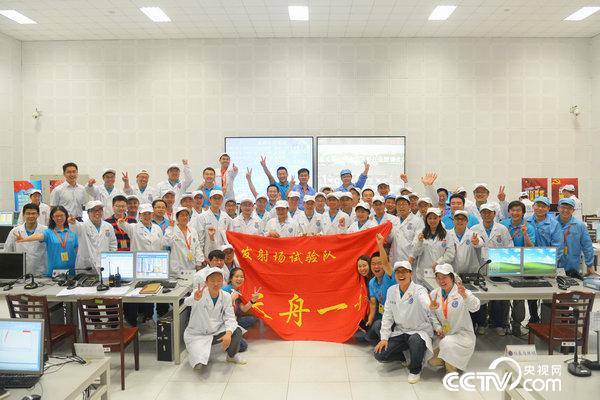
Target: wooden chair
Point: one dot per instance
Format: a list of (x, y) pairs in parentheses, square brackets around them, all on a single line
[(25, 306), (102, 322), (562, 321)]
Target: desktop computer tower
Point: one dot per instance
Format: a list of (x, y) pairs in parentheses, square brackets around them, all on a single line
[(164, 335)]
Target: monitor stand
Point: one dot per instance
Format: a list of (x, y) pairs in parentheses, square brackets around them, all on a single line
[(499, 279)]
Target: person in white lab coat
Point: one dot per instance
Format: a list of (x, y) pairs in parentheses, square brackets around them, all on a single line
[(452, 304), (35, 252), (334, 220), (293, 199), (379, 214), (407, 312), (467, 244), (212, 224), (282, 225), (433, 246), (403, 234), (247, 222), (173, 183), (362, 222), (310, 221), (568, 191), (524, 198), (144, 235), (146, 194), (212, 320), (35, 197), (106, 192), (95, 236), (186, 251)]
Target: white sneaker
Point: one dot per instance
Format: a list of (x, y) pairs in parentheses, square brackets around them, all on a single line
[(481, 330), (414, 378), (501, 331), (237, 359)]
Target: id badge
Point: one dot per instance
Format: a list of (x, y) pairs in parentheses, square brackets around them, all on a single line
[(446, 327), (64, 256), (190, 256), (123, 244), (381, 309), (565, 250)]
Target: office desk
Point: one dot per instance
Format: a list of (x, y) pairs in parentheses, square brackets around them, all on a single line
[(572, 387), (503, 291), (174, 298), (69, 381)]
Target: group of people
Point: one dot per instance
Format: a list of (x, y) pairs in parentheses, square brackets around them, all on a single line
[(444, 231)]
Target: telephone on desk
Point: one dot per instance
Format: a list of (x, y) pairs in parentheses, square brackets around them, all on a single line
[(83, 280)]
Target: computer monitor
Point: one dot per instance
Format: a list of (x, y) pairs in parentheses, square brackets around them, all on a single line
[(22, 346), (151, 265), (539, 261), (6, 218), (4, 232), (12, 266), (505, 262), (120, 260)]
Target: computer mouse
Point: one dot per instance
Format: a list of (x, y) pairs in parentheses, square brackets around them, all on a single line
[(484, 288), (32, 397), (166, 290)]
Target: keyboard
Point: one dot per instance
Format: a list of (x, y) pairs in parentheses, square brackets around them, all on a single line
[(530, 283), (471, 287), (18, 381), (164, 283)]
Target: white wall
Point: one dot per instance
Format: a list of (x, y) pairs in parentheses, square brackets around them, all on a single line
[(10, 118), (491, 110)]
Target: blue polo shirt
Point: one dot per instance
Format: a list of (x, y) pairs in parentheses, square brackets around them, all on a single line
[(207, 194), (309, 191), (360, 183), (283, 188), (448, 221), (378, 291), (162, 225), (516, 234), (54, 249)]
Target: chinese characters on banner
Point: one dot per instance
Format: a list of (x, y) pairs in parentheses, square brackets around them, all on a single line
[(559, 183), (310, 287), (535, 187)]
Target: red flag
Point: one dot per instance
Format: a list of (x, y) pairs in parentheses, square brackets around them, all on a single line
[(310, 287)]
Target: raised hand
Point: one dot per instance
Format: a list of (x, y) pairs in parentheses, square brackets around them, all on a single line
[(198, 292), (461, 289), (501, 194), (293, 181), (185, 163), (91, 182), (524, 228), (367, 166), (475, 239), (434, 304), (19, 237), (235, 168), (71, 220), (404, 178), (123, 220), (125, 178), (263, 161), (379, 239), (421, 237), (255, 295), (429, 178), (342, 222), (248, 173), (211, 231)]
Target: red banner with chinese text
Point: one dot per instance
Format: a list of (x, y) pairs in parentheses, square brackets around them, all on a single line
[(559, 183), (535, 187), (309, 285)]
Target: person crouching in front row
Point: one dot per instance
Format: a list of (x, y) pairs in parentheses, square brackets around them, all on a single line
[(212, 320)]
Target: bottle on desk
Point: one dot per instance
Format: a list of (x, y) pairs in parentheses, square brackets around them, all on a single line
[(117, 278)]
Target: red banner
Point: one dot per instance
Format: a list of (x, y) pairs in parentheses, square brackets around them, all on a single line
[(309, 285), (559, 183), (535, 187)]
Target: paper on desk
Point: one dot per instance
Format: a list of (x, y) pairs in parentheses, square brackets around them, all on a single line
[(116, 291), (78, 291)]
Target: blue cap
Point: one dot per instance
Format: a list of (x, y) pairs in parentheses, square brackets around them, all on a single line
[(345, 171), (390, 196), (542, 199), (567, 201)]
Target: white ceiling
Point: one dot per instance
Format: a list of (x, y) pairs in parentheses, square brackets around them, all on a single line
[(122, 19)]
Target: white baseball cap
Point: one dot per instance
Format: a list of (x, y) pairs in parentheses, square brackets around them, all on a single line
[(216, 192), (168, 191), (108, 171), (378, 198), (93, 204), (226, 247), (434, 210), (461, 212), (333, 194), (172, 166), (198, 193), (201, 276), (523, 194), (402, 264), (445, 269), (487, 206), (34, 191), (131, 197), (262, 196), (292, 194), (247, 199), (319, 194), (407, 188), (281, 204), (145, 208), (364, 206), (142, 171), (425, 200), (180, 209), (569, 188), (412, 194), (309, 197), (344, 194), (186, 195), (460, 189)]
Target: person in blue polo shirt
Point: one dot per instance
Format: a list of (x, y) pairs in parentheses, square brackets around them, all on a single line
[(282, 182), (576, 239), (457, 202), (61, 242), (378, 287), (303, 187), (346, 177)]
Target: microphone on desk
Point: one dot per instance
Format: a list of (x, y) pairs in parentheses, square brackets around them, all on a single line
[(575, 368), (480, 279), (33, 284), (101, 286)]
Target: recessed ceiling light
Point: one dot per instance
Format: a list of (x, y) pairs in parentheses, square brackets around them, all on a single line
[(441, 13), (17, 17), (582, 13), (155, 14), (298, 13)]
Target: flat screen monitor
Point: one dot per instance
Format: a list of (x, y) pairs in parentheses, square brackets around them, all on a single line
[(120, 261), (4, 232), (12, 266), (539, 261), (7, 218), (505, 262), (151, 265), (22, 346)]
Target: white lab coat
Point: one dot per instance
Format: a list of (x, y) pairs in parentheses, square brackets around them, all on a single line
[(288, 229), (206, 321), (402, 237), (207, 220), (410, 314), (143, 239), (70, 197), (35, 252), (385, 218), (457, 345), (42, 219), (146, 197), (578, 213), (528, 207), (92, 242), (311, 226), (333, 227), (430, 251), (228, 189), (355, 228), (180, 257), (99, 192), (499, 237), (501, 209), (251, 226), (179, 187), (466, 259)]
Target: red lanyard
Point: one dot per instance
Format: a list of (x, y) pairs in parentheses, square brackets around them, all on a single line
[(188, 239), (567, 233), (62, 243), (516, 232), (445, 307)]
